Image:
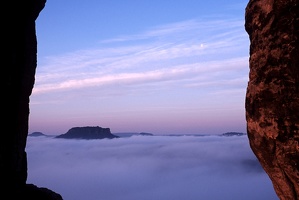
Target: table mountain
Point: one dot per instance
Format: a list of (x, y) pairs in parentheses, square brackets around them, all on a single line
[(88, 132)]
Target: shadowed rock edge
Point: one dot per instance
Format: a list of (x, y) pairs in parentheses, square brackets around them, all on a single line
[(19, 61)]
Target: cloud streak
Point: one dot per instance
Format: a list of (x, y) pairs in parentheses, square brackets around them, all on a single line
[(187, 48), (141, 167), (177, 73)]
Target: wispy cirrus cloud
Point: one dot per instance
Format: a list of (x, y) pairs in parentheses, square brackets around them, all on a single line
[(179, 75), (193, 72), (174, 52)]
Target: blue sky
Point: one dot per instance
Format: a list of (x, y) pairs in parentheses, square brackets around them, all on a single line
[(165, 67)]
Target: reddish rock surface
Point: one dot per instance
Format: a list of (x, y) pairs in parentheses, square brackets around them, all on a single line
[(272, 99)]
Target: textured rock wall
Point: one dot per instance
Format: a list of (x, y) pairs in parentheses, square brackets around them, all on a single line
[(272, 99), (19, 61)]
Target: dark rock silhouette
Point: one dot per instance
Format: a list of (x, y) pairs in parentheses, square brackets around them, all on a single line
[(33, 192), (126, 134), (36, 134), (272, 98), (19, 61), (146, 134), (88, 132), (130, 134), (233, 134)]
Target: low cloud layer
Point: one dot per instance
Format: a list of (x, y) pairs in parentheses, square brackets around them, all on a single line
[(149, 168)]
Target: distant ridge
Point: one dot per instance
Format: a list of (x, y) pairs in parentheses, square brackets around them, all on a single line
[(233, 134), (130, 134), (36, 134), (146, 134), (96, 132), (88, 132), (125, 134)]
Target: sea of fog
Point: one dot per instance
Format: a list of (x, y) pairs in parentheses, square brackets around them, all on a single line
[(148, 168)]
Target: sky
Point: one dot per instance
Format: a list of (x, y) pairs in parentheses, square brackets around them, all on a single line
[(148, 167), (164, 67)]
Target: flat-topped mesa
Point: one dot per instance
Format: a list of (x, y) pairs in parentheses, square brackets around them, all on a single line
[(88, 132), (272, 98)]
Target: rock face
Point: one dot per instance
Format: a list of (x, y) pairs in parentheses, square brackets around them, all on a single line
[(272, 99), (19, 61), (88, 132)]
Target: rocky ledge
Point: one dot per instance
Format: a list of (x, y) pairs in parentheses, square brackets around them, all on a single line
[(32, 192)]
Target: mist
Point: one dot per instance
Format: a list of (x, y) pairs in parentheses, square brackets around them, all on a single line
[(148, 168)]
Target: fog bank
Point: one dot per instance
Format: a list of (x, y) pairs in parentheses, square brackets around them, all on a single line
[(148, 168)]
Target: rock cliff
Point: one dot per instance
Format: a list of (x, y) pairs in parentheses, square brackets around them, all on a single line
[(19, 61), (272, 98)]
